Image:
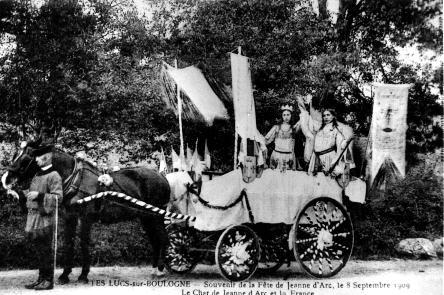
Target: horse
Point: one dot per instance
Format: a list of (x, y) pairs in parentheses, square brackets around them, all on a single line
[(80, 179)]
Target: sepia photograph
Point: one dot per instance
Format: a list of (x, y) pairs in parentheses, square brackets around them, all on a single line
[(221, 147)]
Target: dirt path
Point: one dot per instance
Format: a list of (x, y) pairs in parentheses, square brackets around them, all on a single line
[(358, 277)]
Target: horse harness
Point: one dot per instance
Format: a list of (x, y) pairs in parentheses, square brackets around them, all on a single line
[(72, 185)]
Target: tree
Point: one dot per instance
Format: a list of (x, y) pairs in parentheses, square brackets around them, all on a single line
[(78, 65), (94, 65), (294, 51), (52, 57)]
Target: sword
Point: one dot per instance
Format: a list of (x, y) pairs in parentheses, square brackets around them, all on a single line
[(340, 156)]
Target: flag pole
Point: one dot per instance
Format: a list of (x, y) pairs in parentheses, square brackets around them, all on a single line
[(239, 51), (179, 109)]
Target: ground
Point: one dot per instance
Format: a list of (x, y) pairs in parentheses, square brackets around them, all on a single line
[(358, 277)]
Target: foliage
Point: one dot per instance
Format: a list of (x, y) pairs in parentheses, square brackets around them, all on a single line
[(294, 52), (422, 135), (70, 69), (7, 151), (411, 208), (94, 64)]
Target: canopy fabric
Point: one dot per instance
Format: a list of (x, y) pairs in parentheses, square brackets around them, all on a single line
[(192, 82), (274, 198)]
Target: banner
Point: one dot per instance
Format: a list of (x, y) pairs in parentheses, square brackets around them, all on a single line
[(243, 101), (388, 128), (244, 108), (192, 82)]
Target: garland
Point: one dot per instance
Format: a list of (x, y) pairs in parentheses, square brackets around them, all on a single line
[(138, 203)]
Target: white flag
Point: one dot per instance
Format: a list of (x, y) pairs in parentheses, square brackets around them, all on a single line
[(162, 163), (195, 160), (189, 158), (175, 159), (207, 156)]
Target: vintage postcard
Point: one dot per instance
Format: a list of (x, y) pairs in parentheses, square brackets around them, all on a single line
[(230, 147)]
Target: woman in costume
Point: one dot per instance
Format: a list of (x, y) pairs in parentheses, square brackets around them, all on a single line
[(329, 142), (282, 135)]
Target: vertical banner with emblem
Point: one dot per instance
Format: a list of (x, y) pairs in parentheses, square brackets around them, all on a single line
[(245, 117), (389, 125), (243, 101)]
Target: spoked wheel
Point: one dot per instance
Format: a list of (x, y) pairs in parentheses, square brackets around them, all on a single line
[(237, 253), (179, 256), (323, 237)]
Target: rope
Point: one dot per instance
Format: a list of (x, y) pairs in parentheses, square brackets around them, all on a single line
[(206, 204), (247, 203), (137, 202)]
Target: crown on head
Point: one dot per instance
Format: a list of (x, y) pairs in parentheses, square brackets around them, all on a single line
[(287, 108)]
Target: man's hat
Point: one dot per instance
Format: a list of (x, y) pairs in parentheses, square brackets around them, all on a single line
[(44, 149)]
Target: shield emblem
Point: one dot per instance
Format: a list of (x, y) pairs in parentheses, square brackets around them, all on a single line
[(249, 169)]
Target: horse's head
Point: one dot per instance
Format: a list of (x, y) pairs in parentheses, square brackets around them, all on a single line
[(196, 176), (22, 168), (184, 190)]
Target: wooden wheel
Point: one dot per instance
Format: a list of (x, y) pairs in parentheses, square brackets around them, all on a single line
[(179, 256), (323, 237), (237, 253)]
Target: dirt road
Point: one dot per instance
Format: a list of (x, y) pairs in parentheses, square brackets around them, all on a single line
[(358, 277)]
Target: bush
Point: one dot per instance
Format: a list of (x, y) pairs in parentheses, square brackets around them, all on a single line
[(410, 208)]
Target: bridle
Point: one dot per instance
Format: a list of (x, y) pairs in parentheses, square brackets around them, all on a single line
[(194, 188), (21, 172)]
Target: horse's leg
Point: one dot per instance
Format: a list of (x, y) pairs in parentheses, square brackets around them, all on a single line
[(163, 241), (85, 239), (69, 232), (155, 229)]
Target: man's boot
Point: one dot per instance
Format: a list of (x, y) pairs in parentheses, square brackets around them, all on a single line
[(36, 282), (47, 282), (44, 285)]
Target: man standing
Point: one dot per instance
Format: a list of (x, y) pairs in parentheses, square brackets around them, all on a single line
[(44, 196)]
